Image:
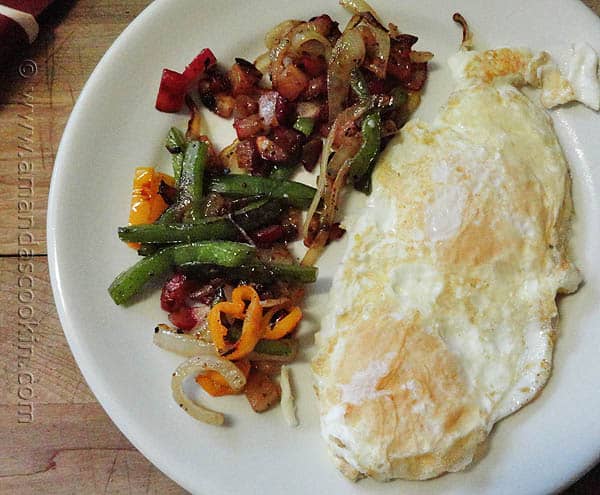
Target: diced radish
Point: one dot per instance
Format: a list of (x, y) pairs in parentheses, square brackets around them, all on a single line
[(175, 292), (249, 126), (184, 318)]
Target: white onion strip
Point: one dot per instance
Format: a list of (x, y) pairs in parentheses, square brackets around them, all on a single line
[(305, 33), (269, 303), (321, 182), (348, 53), (181, 343), (288, 407), (379, 52), (198, 365), (351, 113)]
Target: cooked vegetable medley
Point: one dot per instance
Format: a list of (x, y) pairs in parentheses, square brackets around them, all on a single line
[(215, 232)]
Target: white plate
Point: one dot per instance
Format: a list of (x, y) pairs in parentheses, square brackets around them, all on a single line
[(115, 128)]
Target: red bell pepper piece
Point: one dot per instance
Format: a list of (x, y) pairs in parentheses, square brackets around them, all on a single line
[(174, 86), (203, 61), (171, 92)]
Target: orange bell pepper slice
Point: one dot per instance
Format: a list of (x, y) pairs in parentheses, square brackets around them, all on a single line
[(218, 331), (252, 327), (283, 326), (213, 383), (146, 204)]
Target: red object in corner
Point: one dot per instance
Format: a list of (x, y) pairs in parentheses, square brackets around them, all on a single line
[(12, 35)]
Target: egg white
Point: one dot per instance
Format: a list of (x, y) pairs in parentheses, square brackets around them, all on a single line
[(442, 315)]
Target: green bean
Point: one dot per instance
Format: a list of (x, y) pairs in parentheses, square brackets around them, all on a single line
[(176, 145), (400, 97), (177, 164), (305, 125), (175, 142), (259, 213), (283, 172), (154, 233), (148, 249), (254, 271), (252, 216), (297, 194), (286, 349), (358, 83), (192, 179), (283, 350), (222, 253), (170, 215), (131, 281)]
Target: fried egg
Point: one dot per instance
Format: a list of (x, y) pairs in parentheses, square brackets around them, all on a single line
[(442, 315)]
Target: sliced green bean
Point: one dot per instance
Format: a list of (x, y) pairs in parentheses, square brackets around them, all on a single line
[(252, 216), (171, 215), (278, 350), (358, 83), (361, 163), (177, 164), (192, 179), (305, 125), (222, 253), (148, 249), (297, 194), (131, 281), (176, 145), (254, 271), (175, 142), (400, 97), (154, 233), (259, 213), (282, 348), (283, 172)]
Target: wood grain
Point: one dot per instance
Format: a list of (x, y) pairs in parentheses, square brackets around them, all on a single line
[(69, 445)]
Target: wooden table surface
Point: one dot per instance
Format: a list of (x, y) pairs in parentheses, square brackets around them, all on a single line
[(54, 437)]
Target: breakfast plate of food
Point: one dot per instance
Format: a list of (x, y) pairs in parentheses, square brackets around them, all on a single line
[(373, 224)]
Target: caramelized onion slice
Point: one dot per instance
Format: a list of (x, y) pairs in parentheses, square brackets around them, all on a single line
[(303, 34), (279, 32), (467, 36), (359, 6), (321, 181), (348, 53), (263, 63), (198, 365), (377, 49)]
